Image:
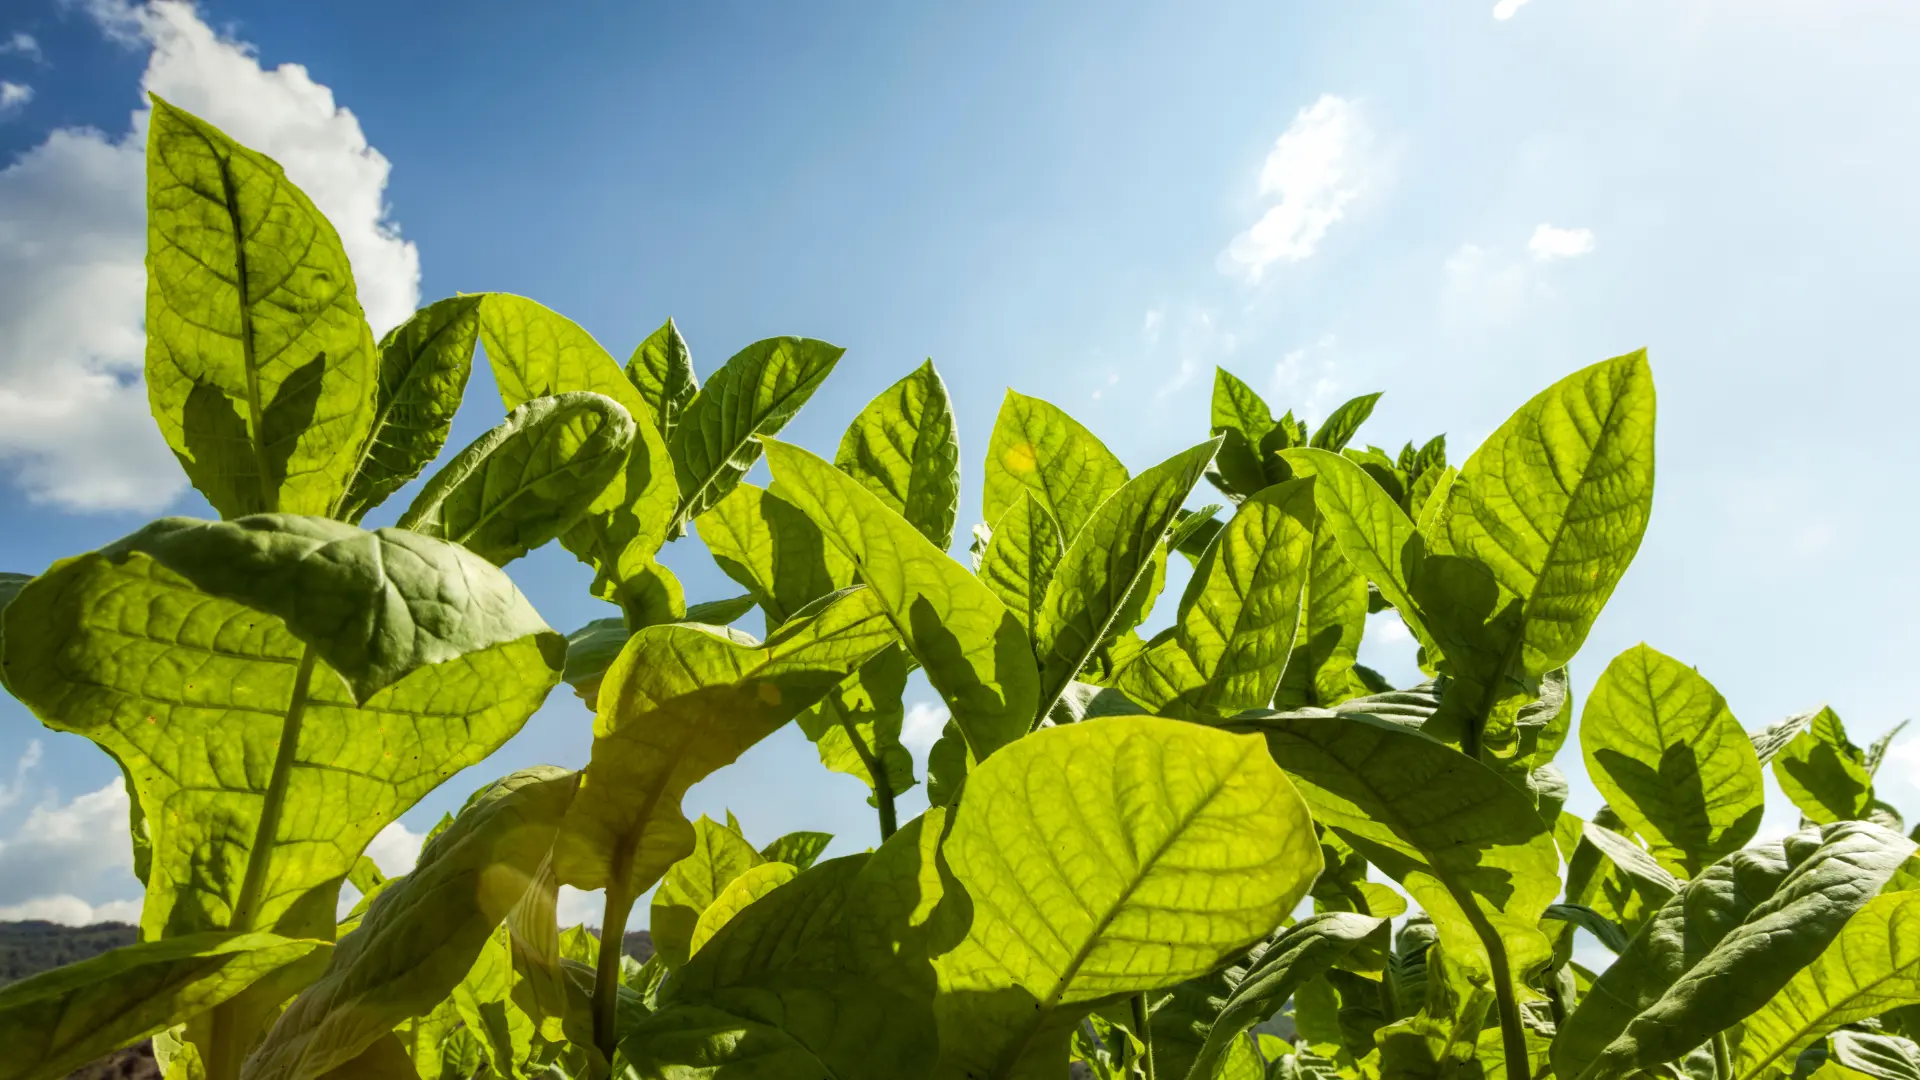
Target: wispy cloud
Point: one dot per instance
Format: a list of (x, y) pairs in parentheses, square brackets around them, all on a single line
[(1312, 173), (1304, 380), (1550, 242), (14, 97), (1506, 9), (29, 761), (21, 44)]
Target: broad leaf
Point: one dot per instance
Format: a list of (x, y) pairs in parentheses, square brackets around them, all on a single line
[(1672, 761), (1037, 448), (1825, 775), (751, 397), (1021, 559), (1091, 854), (720, 854), (680, 702), (829, 1029), (903, 448), (1881, 1057), (797, 849), (1087, 603), (662, 370), (753, 884), (423, 932), (1339, 427), (260, 366), (773, 551), (528, 480), (1465, 844), (423, 368), (856, 727), (278, 689), (972, 648), (1372, 531), (1724, 945), (1555, 502), (1242, 420), (57, 1021), (536, 352), (1333, 618), (1239, 617)]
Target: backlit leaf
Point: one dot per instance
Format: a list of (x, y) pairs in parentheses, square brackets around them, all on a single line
[(1021, 559), (1672, 761), (260, 366), (423, 368), (1242, 419), (1824, 774), (773, 551), (903, 448), (751, 397), (856, 727), (662, 370), (797, 849), (1037, 448), (1340, 425), (750, 886), (720, 854), (529, 479)]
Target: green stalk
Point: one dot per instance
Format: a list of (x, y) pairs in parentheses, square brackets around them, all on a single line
[(1143, 1028), (606, 974), (882, 787), (1722, 1057)]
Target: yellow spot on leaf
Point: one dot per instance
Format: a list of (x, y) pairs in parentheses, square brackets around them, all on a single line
[(769, 694), (1019, 458)]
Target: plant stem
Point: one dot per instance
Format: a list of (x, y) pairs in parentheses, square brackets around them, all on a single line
[(606, 975), (876, 769), (1143, 1029), (1722, 1057)]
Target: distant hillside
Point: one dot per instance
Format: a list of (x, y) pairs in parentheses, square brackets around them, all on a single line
[(28, 948)]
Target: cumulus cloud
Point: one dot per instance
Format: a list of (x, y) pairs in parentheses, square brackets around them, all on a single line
[(70, 910), (61, 852), (74, 426), (14, 97), (22, 44), (575, 907), (922, 726), (1506, 9), (395, 849), (1312, 173), (1549, 243)]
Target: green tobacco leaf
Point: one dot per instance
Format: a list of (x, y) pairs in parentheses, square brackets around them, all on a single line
[(826, 1030), (536, 352), (528, 480), (1340, 426), (1871, 967), (10, 586), (1724, 945), (424, 931), (797, 849), (1333, 618), (719, 612), (1242, 420), (1770, 740), (1239, 617), (1825, 775), (57, 1021), (1373, 532), (972, 648), (260, 366), (680, 702), (1882, 1057), (1087, 602), (751, 397), (1465, 844), (1021, 559), (590, 651), (1303, 951), (720, 854), (1555, 502), (423, 368), (1672, 761), (773, 551), (662, 370), (903, 448), (277, 689), (752, 885), (856, 727), (1604, 930), (1091, 854), (1035, 447)]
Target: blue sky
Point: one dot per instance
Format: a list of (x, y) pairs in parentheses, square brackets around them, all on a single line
[(1094, 203)]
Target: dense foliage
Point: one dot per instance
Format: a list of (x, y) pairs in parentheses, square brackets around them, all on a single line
[(1139, 848)]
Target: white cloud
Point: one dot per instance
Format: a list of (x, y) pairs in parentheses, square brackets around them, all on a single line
[(395, 849), (1903, 763), (1506, 9), (922, 726), (574, 907), (29, 761), (22, 44), (1314, 172), (1150, 326), (79, 849), (14, 97), (1303, 381), (74, 425), (1113, 379), (1549, 243), (69, 910)]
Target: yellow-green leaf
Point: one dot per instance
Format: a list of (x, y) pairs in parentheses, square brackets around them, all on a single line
[(738, 893), (260, 366), (750, 398), (1037, 448), (1105, 859), (1021, 559), (972, 648), (903, 448), (774, 551), (720, 855), (1662, 746), (1824, 774), (856, 727), (661, 368)]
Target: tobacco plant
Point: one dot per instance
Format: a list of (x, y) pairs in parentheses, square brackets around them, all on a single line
[(1142, 847)]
